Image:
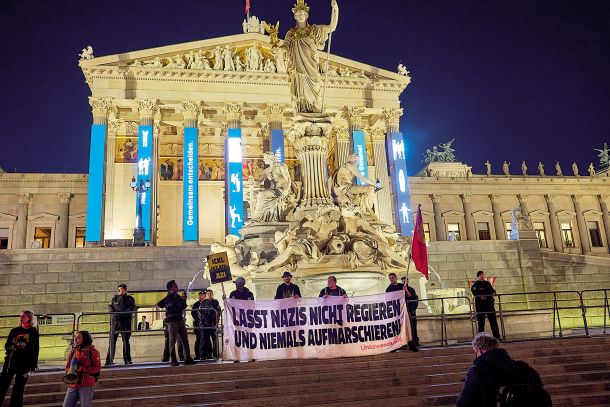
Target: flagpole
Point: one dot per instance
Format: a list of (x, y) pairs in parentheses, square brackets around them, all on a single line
[(330, 40)]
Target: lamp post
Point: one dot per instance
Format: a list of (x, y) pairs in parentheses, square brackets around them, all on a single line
[(140, 188)]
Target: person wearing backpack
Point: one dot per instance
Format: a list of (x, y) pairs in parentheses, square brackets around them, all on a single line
[(87, 359), (495, 379)]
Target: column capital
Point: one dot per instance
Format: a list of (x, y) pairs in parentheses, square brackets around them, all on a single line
[(602, 197), (233, 110), (101, 109), (576, 197), (493, 197), (65, 197), (342, 133), (466, 197), (550, 198), (392, 116), (147, 108), (436, 198), (25, 198), (353, 115), (522, 198), (377, 134), (274, 112), (264, 131), (190, 112)]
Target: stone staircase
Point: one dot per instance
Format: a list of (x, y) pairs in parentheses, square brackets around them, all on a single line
[(575, 371)]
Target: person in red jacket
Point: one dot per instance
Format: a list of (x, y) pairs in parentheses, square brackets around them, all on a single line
[(89, 365)]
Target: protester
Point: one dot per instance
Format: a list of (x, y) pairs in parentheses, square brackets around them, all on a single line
[(89, 365), (143, 325), (495, 376), (165, 357), (332, 290), (174, 318), (241, 292), (22, 347), (412, 304), (396, 286), (287, 289), (120, 323), (483, 293), (209, 316), (196, 325)]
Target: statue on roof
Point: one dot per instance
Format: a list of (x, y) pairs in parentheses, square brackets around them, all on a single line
[(604, 156), (302, 44), (436, 155), (86, 53)]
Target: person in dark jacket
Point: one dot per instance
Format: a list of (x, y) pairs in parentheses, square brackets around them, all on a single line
[(87, 358), (488, 372), (176, 328), (22, 347), (196, 324), (332, 289), (241, 292), (410, 294), (484, 293), (120, 324), (209, 316), (287, 289)]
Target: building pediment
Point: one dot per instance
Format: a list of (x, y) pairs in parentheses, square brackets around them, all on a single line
[(43, 216), (565, 212), (200, 59), (592, 212), (7, 217)]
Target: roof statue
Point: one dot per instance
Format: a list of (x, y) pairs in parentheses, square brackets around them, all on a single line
[(253, 25), (2, 170), (446, 155), (604, 156), (575, 169), (558, 169), (523, 168), (402, 70), (273, 31), (541, 168), (86, 53), (488, 168), (591, 170), (506, 168), (302, 44)]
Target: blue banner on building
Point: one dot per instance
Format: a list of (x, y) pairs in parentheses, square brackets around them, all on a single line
[(400, 181), (95, 187), (360, 150), (277, 145), (190, 206), (145, 173), (234, 182)]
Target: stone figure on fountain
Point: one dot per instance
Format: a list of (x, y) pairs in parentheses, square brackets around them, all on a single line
[(346, 192), (279, 195)]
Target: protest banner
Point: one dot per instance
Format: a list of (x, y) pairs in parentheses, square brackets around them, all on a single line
[(305, 328)]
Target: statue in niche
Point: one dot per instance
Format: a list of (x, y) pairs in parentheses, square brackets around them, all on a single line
[(302, 44), (279, 195), (269, 66), (488, 168), (591, 170), (227, 56), (523, 168), (239, 66), (254, 58), (346, 192), (506, 168), (575, 169), (218, 59), (558, 169), (541, 168)]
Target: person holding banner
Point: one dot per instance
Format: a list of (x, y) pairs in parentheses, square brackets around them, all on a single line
[(287, 289), (332, 290), (409, 293), (241, 292)]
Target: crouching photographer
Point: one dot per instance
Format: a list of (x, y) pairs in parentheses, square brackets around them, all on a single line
[(82, 371)]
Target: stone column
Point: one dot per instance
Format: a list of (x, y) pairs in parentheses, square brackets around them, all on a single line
[(353, 114), (498, 223), (101, 108), (147, 108), (61, 233), (439, 225), (468, 220), (391, 118), (603, 207), (190, 179), (384, 199), (583, 232), (555, 229), (274, 113), (343, 144), (21, 226)]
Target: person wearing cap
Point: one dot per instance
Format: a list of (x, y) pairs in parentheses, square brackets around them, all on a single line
[(175, 305), (332, 290), (241, 292), (287, 289), (121, 308), (196, 324)]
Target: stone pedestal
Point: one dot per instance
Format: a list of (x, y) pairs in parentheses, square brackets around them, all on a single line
[(260, 238)]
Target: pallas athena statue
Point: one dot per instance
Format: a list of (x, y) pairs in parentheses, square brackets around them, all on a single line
[(302, 44)]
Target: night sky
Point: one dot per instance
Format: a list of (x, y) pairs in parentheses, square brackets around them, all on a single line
[(509, 80)]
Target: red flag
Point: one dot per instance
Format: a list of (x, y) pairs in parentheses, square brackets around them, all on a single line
[(419, 252), (247, 6)]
